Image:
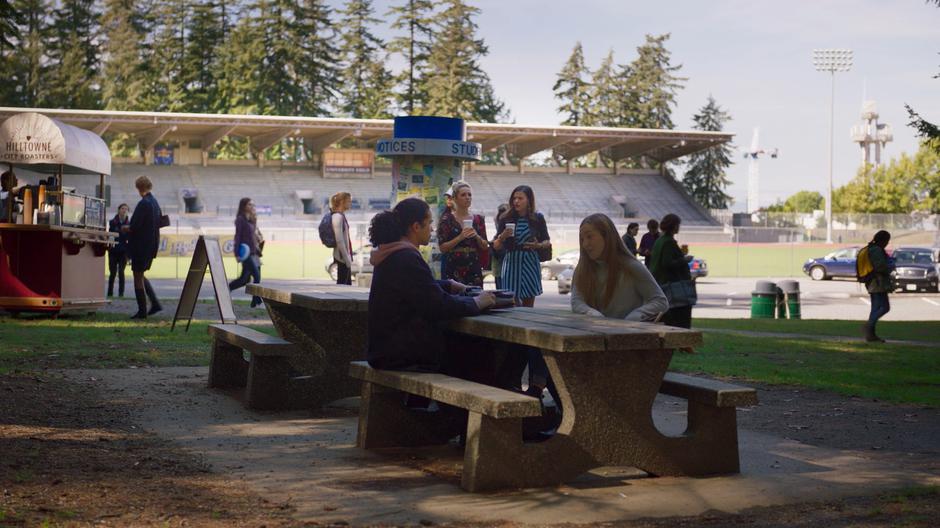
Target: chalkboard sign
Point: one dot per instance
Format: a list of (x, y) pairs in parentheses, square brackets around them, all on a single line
[(208, 253)]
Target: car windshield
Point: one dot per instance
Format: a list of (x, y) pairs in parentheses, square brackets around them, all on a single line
[(913, 257)]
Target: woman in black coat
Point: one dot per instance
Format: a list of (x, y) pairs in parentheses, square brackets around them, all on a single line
[(143, 243), (117, 254)]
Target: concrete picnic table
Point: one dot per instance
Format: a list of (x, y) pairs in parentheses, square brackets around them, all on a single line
[(607, 371)]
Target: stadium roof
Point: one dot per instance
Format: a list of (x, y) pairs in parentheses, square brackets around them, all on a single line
[(319, 132)]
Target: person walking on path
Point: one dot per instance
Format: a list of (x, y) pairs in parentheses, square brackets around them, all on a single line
[(609, 281), (519, 245), (246, 230), (670, 268), (649, 238), (461, 235), (629, 238), (142, 246), (878, 283), (117, 254), (342, 252)]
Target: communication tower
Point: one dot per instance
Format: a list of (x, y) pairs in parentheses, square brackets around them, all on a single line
[(753, 171)]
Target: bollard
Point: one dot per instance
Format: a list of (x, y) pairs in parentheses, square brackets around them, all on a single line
[(791, 292), (763, 300)]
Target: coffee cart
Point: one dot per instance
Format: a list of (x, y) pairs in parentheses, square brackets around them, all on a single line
[(54, 241)]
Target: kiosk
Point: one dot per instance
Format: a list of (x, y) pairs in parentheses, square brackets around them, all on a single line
[(52, 240), (427, 156)]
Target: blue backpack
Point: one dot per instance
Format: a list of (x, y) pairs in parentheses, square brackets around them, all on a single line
[(327, 236)]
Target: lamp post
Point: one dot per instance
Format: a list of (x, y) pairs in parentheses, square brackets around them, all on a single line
[(831, 60)]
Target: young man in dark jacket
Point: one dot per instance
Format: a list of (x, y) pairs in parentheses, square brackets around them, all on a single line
[(879, 285), (405, 302)]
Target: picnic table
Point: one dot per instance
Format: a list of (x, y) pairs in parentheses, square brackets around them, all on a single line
[(607, 372)]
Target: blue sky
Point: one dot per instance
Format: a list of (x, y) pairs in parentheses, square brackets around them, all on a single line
[(754, 57)]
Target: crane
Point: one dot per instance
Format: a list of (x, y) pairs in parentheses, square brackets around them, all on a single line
[(753, 170)]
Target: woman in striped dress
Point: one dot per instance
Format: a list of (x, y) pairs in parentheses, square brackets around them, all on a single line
[(518, 246)]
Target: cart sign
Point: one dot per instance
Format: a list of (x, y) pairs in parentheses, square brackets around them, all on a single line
[(41, 144)]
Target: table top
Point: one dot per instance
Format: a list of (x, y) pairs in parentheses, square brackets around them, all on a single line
[(555, 330)]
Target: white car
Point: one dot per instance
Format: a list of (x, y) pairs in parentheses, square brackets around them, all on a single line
[(564, 281), (568, 259)]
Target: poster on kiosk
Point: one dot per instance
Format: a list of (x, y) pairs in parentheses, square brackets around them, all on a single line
[(427, 156), (53, 240)]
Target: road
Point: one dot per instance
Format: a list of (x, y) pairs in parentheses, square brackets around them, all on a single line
[(727, 298)]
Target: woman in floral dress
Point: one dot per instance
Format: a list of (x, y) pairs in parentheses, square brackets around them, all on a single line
[(466, 247)]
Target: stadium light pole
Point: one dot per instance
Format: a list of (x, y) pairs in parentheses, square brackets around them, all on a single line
[(831, 60)]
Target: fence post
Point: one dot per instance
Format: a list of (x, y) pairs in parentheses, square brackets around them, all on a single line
[(303, 252), (177, 263)]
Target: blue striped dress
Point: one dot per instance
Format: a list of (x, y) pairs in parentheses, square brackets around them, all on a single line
[(521, 272)]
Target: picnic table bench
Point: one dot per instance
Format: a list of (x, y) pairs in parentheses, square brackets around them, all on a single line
[(265, 375), (607, 371)]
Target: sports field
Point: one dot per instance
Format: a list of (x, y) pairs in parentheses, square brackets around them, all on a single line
[(295, 260)]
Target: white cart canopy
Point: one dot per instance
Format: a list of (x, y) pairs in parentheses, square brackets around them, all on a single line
[(35, 142)]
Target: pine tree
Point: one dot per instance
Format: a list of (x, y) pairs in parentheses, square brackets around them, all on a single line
[(705, 179), (414, 18), (74, 54), (603, 106), (317, 70), (456, 84), (10, 20), (573, 90), (23, 66), (169, 92), (125, 75), (366, 88), (201, 67), (649, 86)]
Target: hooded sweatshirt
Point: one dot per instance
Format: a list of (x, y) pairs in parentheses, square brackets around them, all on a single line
[(405, 305)]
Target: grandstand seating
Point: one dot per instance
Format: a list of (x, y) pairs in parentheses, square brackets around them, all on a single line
[(562, 197)]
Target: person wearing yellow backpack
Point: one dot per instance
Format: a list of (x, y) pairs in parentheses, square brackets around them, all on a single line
[(874, 269)]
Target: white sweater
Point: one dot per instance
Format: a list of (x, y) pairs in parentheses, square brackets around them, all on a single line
[(341, 251), (636, 298)]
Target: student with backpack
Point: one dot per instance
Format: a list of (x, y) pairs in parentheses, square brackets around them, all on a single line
[(334, 233), (873, 268)]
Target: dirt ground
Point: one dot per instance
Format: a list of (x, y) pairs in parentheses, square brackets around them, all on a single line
[(71, 458)]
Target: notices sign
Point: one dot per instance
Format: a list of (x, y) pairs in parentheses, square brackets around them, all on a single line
[(163, 155)]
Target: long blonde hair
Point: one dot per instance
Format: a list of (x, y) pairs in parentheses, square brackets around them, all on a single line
[(615, 255)]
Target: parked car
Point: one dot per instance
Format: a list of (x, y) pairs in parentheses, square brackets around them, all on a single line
[(915, 269), (551, 268), (839, 263), (564, 281), (697, 267)]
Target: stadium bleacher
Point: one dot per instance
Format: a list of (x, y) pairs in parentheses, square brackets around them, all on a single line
[(563, 198)]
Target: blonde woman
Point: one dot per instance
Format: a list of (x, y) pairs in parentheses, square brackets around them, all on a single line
[(462, 237), (609, 281), (342, 252)]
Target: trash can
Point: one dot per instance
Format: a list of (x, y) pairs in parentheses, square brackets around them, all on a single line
[(764, 300), (791, 293)]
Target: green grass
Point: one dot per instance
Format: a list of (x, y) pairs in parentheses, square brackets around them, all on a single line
[(101, 341), (902, 330), (895, 373)]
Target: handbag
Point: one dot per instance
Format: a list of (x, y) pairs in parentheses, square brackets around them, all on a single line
[(545, 254), (164, 221), (680, 293)]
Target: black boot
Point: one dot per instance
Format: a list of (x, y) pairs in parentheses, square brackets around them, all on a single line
[(154, 302), (120, 286), (141, 304), (111, 286)]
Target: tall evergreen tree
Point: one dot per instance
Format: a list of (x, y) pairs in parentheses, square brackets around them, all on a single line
[(23, 67), (201, 67), (317, 70), (457, 86), (649, 86), (705, 178), (126, 76), (366, 87), (10, 19), (74, 54), (169, 92), (573, 90), (414, 19), (603, 108)]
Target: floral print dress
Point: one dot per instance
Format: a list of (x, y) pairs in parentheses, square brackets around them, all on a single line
[(464, 260)]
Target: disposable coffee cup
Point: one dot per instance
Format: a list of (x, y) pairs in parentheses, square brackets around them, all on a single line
[(467, 222), (511, 228)]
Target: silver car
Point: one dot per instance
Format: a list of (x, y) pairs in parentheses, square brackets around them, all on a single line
[(564, 281), (568, 259)]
